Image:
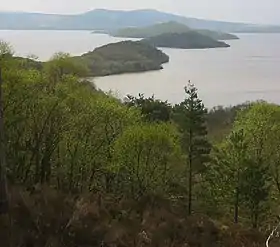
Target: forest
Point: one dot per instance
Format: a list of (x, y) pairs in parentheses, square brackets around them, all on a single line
[(82, 168)]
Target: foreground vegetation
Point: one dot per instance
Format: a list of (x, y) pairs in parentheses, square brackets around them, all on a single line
[(86, 169)]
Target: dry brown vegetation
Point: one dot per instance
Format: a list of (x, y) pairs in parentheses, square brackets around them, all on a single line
[(47, 218)]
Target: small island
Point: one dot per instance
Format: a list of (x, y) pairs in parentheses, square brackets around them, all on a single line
[(217, 35), (150, 31), (168, 27), (123, 57), (188, 40)]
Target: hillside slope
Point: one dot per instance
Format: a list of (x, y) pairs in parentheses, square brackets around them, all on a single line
[(103, 19), (189, 40), (123, 57), (153, 30), (168, 27)]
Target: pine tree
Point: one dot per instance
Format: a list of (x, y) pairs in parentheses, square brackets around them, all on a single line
[(190, 115)]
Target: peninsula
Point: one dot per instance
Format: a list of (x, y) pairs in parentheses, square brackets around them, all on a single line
[(188, 40), (168, 27), (123, 57)]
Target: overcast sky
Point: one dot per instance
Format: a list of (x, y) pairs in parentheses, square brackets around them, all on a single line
[(258, 11)]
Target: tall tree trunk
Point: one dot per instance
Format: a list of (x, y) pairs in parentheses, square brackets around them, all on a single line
[(236, 203), (190, 185), (190, 156), (236, 206), (3, 179)]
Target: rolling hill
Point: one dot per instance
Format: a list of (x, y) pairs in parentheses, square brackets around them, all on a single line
[(153, 30), (188, 40), (168, 27), (122, 57), (102, 19)]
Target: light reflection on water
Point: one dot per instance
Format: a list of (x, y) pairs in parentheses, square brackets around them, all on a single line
[(249, 70)]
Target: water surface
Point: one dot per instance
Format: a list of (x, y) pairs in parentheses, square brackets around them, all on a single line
[(249, 70)]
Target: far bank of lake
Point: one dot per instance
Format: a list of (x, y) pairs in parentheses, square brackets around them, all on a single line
[(248, 70)]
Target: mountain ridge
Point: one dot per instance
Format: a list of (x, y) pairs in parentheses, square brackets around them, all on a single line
[(168, 27), (106, 19)]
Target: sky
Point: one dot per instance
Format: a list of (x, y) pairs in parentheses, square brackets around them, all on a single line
[(254, 11)]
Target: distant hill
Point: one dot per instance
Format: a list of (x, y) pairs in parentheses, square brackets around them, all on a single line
[(123, 57), (168, 27), (188, 40), (217, 35), (153, 30), (109, 20)]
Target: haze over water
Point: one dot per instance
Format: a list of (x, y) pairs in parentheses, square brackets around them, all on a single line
[(249, 70)]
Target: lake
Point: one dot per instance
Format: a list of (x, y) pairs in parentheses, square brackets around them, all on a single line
[(249, 70)]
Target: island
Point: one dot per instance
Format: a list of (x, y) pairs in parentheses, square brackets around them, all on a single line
[(188, 40), (167, 27), (217, 35), (123, 57), (150, 31)]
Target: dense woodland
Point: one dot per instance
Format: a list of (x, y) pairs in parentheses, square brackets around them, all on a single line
[(86, 169)]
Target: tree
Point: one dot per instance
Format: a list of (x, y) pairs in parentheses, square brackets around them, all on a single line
[(230, 162), (154, 110), (255, 190), (261, 124), (150, 161), (62, 64), (190, 116), (237, 150), (5, 50)]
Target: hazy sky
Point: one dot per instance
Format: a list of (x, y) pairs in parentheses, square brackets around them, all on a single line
[(259, 11)]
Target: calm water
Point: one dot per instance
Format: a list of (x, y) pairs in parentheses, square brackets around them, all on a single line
[(249, 70)]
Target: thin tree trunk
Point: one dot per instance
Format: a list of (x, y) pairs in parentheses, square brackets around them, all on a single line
[(190, 156), (3, 179), (236, 204), (190, 185)]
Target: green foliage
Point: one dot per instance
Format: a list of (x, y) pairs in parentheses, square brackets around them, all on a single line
[(51, 126), (230, 160), (62, 64), (190, 116), (255, 191), (152, 109), (63, 133), (5, 49), (220, 121), (245, 172), (148, 155)]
